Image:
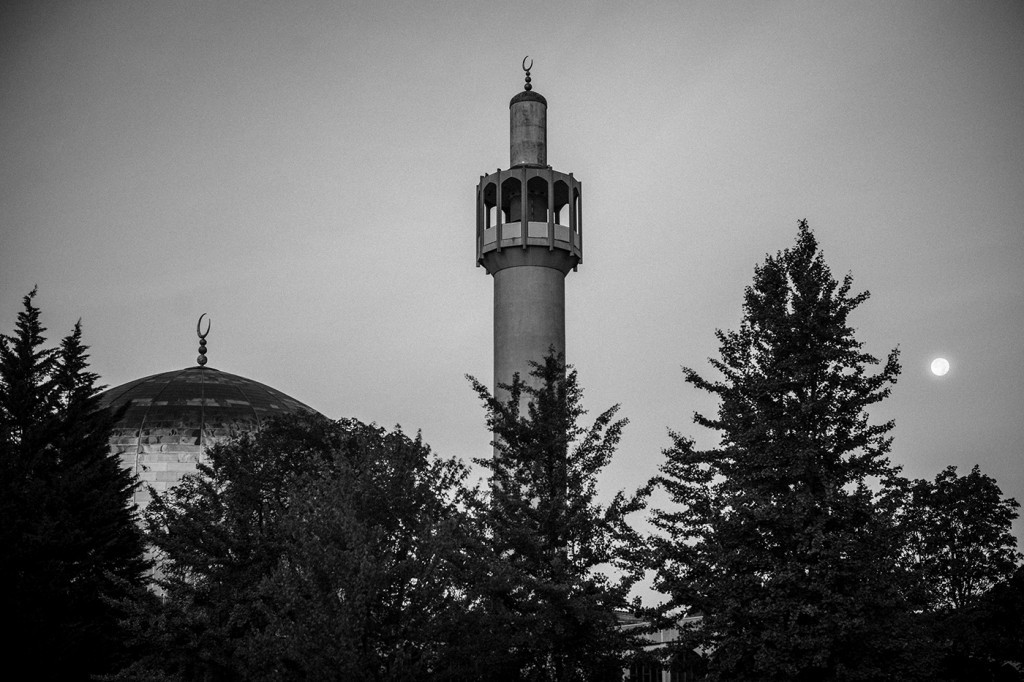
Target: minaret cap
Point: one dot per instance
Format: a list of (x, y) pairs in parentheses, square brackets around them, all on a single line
[(528, 126), (528, 95)]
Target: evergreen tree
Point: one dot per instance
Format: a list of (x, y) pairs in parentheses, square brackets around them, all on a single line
[(787, 535), (313, 549), (72, 548), (562, 565)]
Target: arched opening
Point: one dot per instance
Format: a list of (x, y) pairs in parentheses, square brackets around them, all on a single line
[(577, 210), (537, 199), (511, 201), (561, 191), (489, 198)]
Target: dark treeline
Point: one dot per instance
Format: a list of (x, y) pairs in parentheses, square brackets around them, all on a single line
[(72, 549), (335, 550)]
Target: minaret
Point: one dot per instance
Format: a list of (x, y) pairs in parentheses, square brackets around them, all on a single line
[(529, 235)]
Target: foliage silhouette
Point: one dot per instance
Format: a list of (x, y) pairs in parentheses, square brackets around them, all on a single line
[(72, 547), (787, 535), (563, 565), (312, 549)]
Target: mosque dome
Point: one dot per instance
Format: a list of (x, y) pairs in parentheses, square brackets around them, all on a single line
[(174, 417)]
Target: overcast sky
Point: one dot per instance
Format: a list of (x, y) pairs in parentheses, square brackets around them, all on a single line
[(304, 172)]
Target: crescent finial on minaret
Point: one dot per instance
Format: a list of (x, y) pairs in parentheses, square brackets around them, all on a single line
[(202, 339), (527, 70)]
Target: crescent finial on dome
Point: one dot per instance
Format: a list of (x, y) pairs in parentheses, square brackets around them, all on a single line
[(202, 339)]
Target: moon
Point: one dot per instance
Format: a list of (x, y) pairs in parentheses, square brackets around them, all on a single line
[(940, 366)]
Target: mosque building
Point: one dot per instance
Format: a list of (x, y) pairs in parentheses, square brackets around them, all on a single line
[(529, 237), (172, 418)]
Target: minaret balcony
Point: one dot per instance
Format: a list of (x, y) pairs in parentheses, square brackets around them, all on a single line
[(551, 204), (537, 235)]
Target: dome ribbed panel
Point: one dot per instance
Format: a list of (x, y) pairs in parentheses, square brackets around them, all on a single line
[(173, 417)]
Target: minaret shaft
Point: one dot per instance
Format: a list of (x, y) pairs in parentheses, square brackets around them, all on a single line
[(528, 133), (529, 320)]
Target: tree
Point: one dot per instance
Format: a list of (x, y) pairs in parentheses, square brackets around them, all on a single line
[(72, 547), (561, 564), (962, 539), (313, 549), (964, 536), (786, 536), (997, 624)]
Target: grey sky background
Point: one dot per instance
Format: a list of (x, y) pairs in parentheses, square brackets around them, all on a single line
[(304, 172)]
